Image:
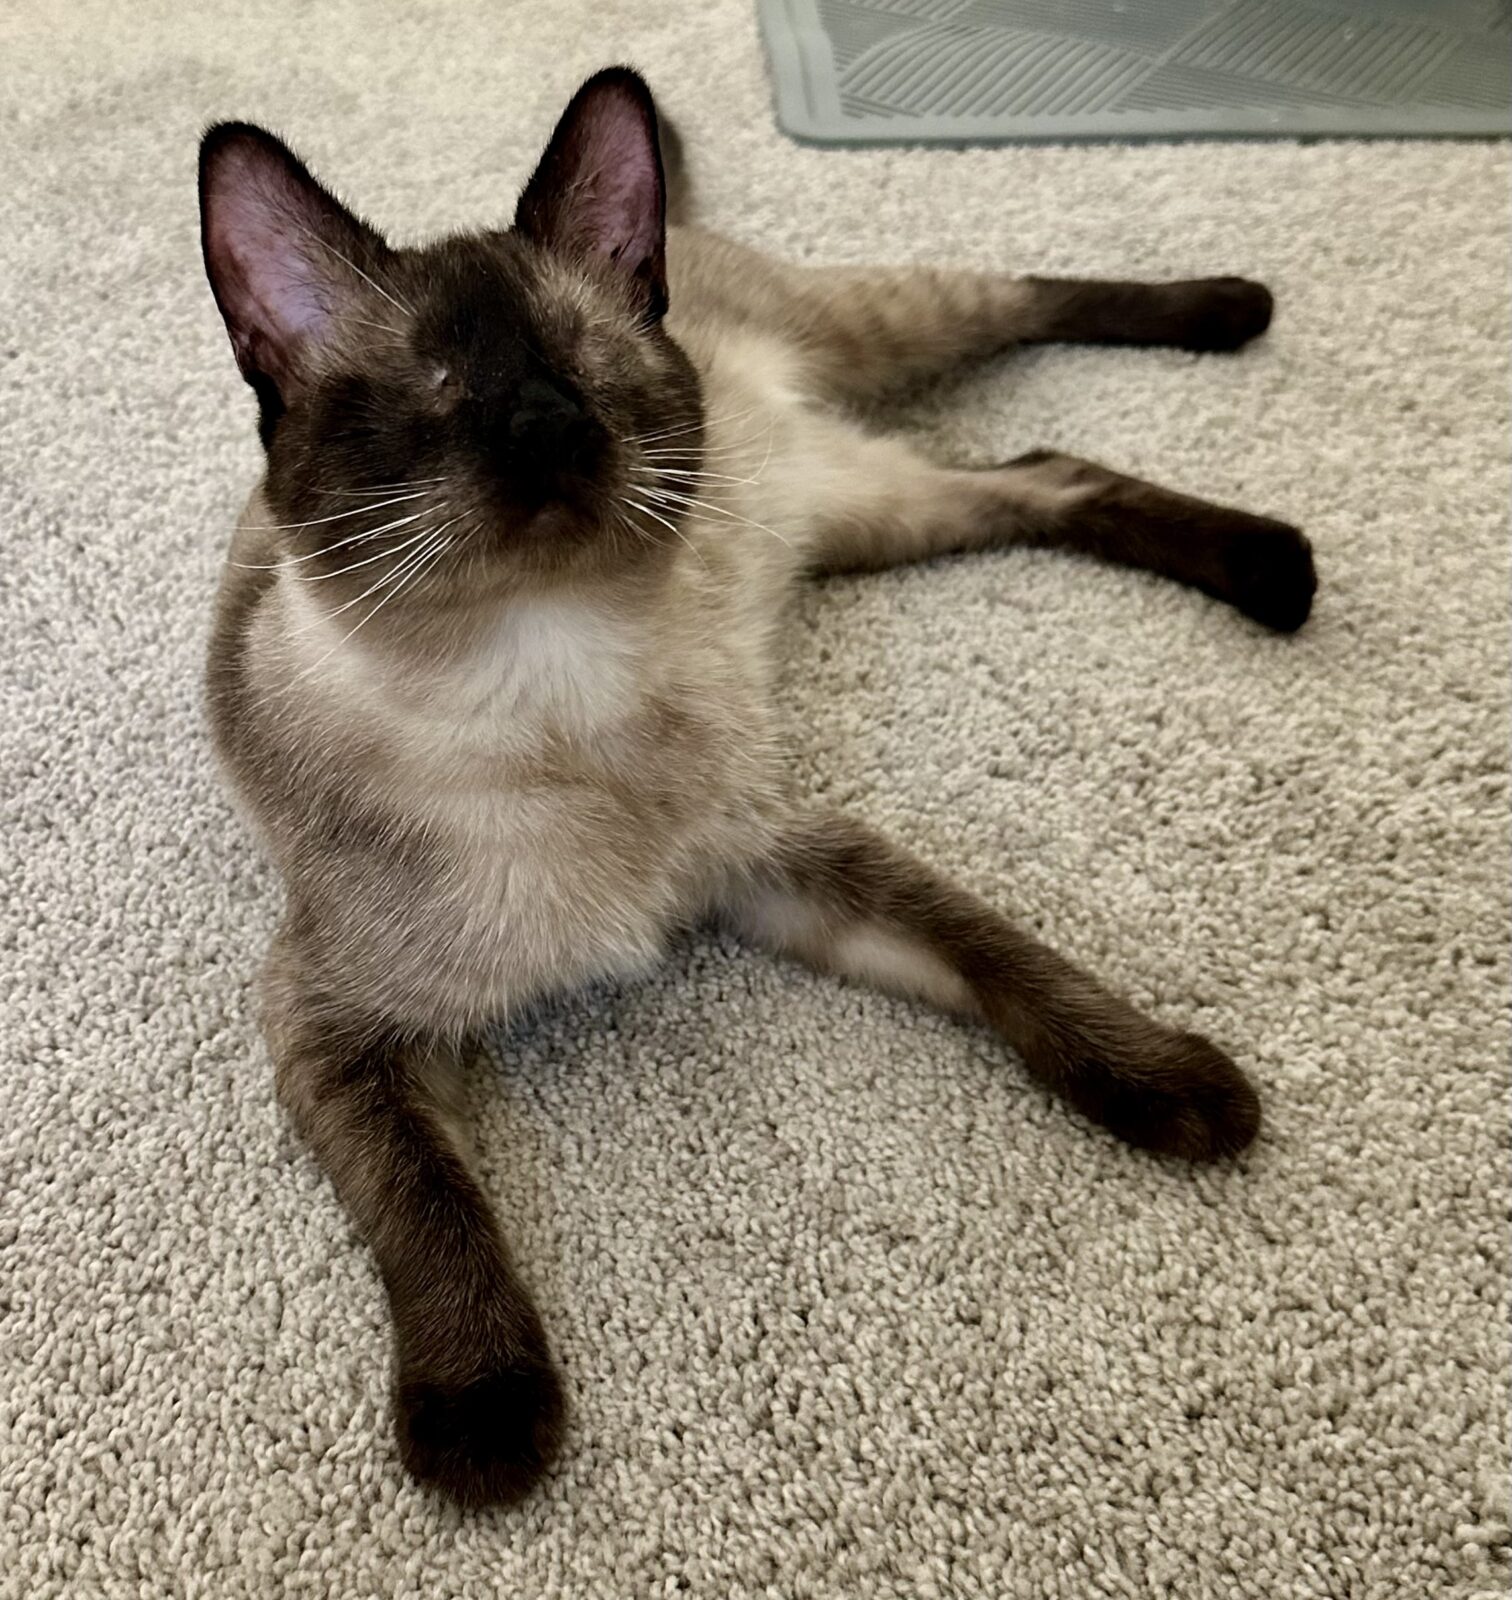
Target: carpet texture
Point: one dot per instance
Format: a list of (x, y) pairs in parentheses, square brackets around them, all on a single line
[(846, 1308)]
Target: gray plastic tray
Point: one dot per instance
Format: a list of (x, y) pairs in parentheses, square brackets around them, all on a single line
[(973, 71)]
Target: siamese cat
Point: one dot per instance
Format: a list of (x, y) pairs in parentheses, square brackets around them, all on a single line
[(492, 669)]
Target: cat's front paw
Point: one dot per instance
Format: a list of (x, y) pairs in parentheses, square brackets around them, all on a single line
[(1183, 1098), (1270, 573), (486, 1441)]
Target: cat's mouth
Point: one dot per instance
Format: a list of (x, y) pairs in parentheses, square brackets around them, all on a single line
[(565, 505), (567, 475)]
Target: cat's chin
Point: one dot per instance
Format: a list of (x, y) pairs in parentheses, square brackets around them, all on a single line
[(590, 536), (564, 518), (567, 518)]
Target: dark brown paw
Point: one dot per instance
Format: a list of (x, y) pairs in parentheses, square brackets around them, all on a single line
[(1224, 313), (1190, 1101), (485, 1442), (1270, 572)]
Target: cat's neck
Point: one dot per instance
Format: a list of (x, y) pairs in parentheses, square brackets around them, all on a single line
[(569, 662)]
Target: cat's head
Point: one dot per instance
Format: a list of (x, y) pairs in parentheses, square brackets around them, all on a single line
[(475, 411)]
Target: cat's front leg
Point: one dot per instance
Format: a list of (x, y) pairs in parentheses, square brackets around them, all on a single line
[(478, 1404), (840, 896)]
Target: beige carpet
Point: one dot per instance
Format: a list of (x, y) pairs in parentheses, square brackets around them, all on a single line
[(847, 1309)]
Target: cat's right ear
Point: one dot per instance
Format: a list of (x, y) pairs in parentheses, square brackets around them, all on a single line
[(283, 256)]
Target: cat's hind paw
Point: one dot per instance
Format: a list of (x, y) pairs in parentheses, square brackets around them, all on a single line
[(1224, 313), (1270, 573), (1191, 1102)]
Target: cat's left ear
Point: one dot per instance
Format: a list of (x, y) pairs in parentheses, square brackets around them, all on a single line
[(599, 189)]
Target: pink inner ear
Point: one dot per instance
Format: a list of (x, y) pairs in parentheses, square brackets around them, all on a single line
[(265, 259), (272, 260), (598, 188), (618, 201)]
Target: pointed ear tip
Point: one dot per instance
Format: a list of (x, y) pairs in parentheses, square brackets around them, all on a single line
[(230, 139), (219, 134), (622, 79)]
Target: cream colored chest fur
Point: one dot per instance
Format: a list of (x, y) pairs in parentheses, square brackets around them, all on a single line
[(581, 776)]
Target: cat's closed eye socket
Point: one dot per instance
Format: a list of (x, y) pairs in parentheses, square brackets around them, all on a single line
[(444, 387)]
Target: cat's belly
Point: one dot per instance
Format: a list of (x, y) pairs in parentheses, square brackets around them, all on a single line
[(532, 893), (552, 880)]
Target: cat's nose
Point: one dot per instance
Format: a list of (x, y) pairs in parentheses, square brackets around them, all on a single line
[(546, 428)]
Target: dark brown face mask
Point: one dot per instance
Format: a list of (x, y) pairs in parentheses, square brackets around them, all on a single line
[(507, 365)]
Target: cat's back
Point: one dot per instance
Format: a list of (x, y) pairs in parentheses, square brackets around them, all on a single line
[(721, 290)]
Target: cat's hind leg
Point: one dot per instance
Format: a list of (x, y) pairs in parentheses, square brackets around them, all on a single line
[(882, 503), (836, 894), (870, 332), (865, 331)]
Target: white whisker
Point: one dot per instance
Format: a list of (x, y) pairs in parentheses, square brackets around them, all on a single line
[(631, 527), (405, 563), (709, 452), (424, 565), (431, 555), (355, 538), (650, 513), (398, 305), (384, 488), (672, 500), (336, 516), (691, 427), (383, 327), (382, 581), (671, 528), (366, 561), (689, 472)]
